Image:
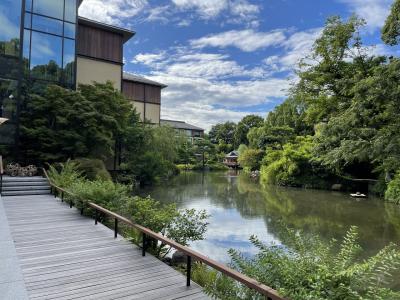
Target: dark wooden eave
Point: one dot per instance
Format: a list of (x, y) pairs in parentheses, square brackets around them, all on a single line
[(126, 34)]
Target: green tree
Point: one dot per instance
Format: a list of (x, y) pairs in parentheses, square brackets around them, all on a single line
[(250, 159), (62, 124), (309, 268), (243, 127), (391, 29), (223, 133)]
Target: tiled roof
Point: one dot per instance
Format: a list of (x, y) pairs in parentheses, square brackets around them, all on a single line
[(180, 125)]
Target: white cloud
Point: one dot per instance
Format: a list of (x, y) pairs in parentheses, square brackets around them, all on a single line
[(149, 58), (236, 11), (205, 8), (373, 11), (111, 11), (247, 40), (297, 46)]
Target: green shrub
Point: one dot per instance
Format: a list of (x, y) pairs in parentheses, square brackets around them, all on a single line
[(107, 194), (250, 159), (392, 193), (182, 226), (92, 168), (308, 268), (293, 166), (64, 174)]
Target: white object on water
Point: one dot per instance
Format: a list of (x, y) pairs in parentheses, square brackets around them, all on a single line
[(358, 195)]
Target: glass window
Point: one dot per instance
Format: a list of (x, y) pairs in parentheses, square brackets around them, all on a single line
[(27, 46), (70, 10), (69, 30), (69, 61), (28, 20), (8, 94), (46, 53), (47, 25), (51, 8), (28, 5), (10, 16)]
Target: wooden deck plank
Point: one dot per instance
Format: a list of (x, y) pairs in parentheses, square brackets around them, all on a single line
[(63, 255)]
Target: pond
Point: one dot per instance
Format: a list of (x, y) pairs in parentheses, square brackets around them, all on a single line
[(240, 207)]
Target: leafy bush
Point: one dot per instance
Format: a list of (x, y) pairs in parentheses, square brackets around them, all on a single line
[(64, 174), (250, 159), (182, 226), (308, 268), (392, 193), (293, 166), (107, 194), (92, 168)]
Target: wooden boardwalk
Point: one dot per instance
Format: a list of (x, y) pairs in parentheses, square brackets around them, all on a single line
[(63, 255)]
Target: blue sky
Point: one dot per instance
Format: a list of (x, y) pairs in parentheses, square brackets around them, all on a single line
[(223, 59)]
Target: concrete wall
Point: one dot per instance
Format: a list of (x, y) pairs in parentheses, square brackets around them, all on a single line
[(90, 70), (151, 111), (139, 108)]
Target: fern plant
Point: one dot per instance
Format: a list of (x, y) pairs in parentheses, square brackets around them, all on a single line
[(64, 174), (309, 269)]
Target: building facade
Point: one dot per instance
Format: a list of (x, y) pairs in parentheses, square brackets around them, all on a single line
[(37, 47), (45, 42), (184, 129)]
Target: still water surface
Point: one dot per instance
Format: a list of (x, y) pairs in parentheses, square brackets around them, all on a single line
[(240, 207)]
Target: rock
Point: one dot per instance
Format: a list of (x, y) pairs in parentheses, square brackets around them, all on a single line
[(337, 187), (178, 258)]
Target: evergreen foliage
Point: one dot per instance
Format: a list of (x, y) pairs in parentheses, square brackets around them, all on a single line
[(308, 268)]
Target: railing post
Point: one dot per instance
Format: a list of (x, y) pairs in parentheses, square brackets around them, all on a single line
[(115, 228), (144, 242), (188, 269), (96, 217), (70, 203), (62, 196), (82, 210)]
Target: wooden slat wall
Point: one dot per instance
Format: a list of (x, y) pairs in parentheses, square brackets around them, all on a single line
[(153, 94), (98, 43), (142, 92)]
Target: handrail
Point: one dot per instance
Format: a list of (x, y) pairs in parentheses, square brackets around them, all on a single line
[(251, 283)]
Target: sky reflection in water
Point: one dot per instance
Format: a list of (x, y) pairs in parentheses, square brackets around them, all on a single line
[(240, 207)]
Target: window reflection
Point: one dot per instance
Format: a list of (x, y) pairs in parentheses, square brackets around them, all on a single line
[(10, 27), (69, 30), (8, 94), (46, 56), (27, 46), (28, 5), (28, 20), (47, 25), (69, 61), (70, 10), (51, 8)]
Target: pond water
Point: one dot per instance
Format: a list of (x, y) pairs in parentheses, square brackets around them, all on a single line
[(240, 207)]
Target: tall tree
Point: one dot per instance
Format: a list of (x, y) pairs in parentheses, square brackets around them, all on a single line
[(243, 127), (391, 29)]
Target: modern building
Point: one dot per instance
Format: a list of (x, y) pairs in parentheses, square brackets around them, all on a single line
[(44, 41), (185, 129), (145, 95)]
